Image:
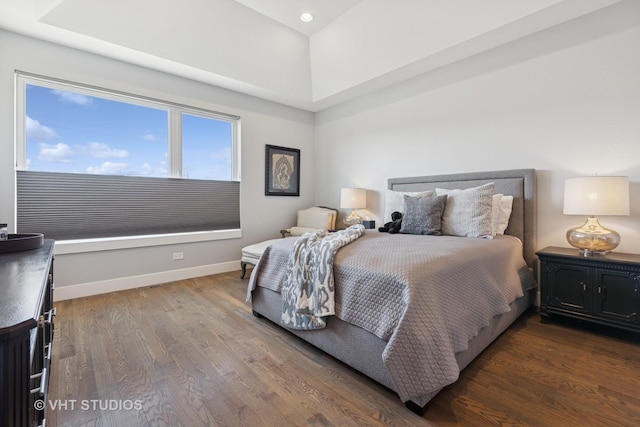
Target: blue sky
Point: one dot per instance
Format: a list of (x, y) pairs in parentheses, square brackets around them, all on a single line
[(72, 132)]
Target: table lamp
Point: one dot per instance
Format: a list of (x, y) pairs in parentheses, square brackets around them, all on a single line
[(353, 198), (595, 195)]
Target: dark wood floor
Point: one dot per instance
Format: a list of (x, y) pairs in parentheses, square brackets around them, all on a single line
[(191, 353)]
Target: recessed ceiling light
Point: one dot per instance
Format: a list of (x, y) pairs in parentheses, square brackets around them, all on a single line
[(306, 17)]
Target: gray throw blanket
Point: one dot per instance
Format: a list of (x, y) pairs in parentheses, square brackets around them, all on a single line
[(308, 287)]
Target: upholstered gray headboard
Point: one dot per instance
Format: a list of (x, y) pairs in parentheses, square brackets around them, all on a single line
[(519, 183)]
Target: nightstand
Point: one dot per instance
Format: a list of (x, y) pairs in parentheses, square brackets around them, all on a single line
[(602, 289)]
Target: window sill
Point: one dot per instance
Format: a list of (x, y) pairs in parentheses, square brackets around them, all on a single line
[(63, 247)]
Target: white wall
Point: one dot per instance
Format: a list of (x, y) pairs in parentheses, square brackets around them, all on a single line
[(262, 123), (565, 102)]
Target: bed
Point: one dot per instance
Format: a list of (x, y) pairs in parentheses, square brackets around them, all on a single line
[(400, 341)]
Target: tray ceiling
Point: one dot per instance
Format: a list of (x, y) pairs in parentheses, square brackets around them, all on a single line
[(261, 48)]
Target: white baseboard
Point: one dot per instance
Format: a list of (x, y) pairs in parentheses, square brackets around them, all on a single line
[(95, 288)]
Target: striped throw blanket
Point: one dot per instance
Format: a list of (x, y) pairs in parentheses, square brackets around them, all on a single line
[(308, 287)]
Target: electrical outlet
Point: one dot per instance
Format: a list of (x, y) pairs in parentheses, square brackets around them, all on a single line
[(178, 255)]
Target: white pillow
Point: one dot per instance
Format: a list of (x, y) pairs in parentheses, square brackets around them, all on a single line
[(500, 213), (394, 201), (467, 212)]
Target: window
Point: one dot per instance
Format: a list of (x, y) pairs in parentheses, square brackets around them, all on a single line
[(97, 163)]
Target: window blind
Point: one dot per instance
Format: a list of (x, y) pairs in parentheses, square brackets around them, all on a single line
[(66, 206)]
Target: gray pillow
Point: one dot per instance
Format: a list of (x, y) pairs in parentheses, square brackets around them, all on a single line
[(394, 201), (468, 212), (423, 215)]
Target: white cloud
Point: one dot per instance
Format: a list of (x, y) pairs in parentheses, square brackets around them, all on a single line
[(149, 136), (58, 153), (107, 168), (148, 170), (72, 98), (101, 150), (37, 131)]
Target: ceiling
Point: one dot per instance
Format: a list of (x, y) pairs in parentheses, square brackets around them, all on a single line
[(261, 48)]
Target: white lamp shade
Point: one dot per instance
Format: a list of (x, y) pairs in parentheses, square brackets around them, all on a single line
[(353, 198), (596, 195)]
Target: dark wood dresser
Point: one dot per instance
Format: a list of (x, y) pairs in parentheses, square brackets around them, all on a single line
[(26, 334)]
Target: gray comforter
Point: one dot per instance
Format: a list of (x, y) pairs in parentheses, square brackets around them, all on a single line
[(427, 296)]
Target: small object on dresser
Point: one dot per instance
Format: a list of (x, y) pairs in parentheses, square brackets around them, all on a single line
[(21, 242), (4, 235), (369, 224)]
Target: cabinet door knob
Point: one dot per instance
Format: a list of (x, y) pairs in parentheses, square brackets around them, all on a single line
[(584, 286)]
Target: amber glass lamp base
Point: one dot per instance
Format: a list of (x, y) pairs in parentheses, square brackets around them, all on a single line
[(592, 239), (352, 219)]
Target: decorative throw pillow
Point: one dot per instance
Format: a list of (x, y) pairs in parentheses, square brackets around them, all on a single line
[(500, 213), (467, 212), (495, 207), (423, 215), (394, 201)]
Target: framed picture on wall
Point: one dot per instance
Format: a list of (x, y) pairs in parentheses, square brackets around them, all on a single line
[(282, 171)]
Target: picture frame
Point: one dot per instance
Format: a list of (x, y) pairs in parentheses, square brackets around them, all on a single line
[(282, 171)]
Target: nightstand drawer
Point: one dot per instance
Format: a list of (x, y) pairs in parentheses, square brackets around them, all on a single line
[(617, 296), (568, 286)]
